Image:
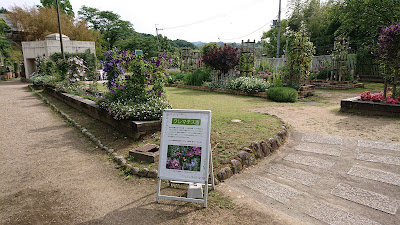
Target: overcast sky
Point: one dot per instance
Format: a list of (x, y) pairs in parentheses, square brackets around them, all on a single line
[(206, 20)]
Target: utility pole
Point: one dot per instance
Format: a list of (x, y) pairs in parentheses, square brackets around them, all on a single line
[(279, 31), (158, 42), (59, 31)]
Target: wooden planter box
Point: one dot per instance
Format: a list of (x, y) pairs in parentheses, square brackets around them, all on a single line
[(339, 85), (356, 105), (133, 129)]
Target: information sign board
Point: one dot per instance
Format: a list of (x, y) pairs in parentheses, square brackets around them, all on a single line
[(184, 148)]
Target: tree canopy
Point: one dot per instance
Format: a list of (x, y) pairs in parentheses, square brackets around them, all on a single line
[(359, 20), (65, 6), (108, 23)]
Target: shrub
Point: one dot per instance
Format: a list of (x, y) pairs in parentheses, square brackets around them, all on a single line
[(249, 84), (282, 94), (198, 77), (222, 59), (45, 80)]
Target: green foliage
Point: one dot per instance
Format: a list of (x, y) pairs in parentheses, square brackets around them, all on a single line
[(248, 84), (298, 58), (209, 46), (198, 77), (246, 63), (89, 60), (282, 94), (45, 66), (108, 23), (5, 45), (271, 40), (278, 80), (65, 6), (44, 80), (178, 43)]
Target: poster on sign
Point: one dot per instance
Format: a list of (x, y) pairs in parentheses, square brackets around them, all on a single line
[(184, 148)]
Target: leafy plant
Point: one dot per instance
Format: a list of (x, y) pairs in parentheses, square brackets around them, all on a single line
[(249, 84), (282, 94), (389, 53), (298, 58), (136, 86), (198, 77), (222, 59)]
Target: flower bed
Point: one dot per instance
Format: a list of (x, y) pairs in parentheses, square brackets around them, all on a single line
[(131, 128), (356, 105)]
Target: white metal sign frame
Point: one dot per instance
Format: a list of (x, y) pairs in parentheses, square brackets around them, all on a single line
[(185, 150)]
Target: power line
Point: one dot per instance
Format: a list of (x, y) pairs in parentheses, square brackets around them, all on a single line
[(211, 18), (229, 39)]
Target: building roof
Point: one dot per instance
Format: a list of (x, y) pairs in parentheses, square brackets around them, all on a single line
[(56, 36)]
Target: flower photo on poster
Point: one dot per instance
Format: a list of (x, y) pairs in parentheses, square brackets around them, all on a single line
[(183, 158)]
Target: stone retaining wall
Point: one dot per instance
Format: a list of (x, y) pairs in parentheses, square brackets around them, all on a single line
[(356, 105), (134, 129)]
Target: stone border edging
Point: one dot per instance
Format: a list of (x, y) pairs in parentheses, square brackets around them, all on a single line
[(119, 159), (247, 156)]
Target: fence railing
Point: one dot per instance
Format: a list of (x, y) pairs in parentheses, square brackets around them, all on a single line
[(277, 63)]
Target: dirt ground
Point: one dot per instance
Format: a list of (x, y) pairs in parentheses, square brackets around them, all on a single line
[(326, 118), (51, 174)]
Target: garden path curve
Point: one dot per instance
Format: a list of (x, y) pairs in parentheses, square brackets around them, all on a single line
[(325, 179)]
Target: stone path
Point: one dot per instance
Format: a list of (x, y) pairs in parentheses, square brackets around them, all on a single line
[(319, 179)]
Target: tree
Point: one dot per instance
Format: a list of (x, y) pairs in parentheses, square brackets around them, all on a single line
[(5, 45), (178, 43), (389, 52), (37, 23), (270, 38), (209, 46), (362, 19), (222, 59), (65, 6), (108, 23)]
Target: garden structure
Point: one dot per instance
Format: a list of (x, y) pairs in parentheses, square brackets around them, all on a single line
[(246, 62), (33, 49)]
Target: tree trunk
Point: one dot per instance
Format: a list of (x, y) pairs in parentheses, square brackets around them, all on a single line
[(396, 75)]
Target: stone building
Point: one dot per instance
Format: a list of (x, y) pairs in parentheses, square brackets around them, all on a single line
[(33, 49)]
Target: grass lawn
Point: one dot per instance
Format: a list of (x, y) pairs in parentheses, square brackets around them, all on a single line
[(229, 137)]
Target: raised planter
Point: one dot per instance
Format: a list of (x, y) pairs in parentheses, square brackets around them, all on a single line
[(332, 84), (134, 129), (356, 105)]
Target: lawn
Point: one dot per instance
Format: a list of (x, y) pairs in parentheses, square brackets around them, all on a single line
[(227, 136)]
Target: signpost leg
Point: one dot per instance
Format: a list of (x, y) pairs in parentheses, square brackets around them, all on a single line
[(205, 193), (158, 189)]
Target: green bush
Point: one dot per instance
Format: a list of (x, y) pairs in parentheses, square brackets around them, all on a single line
[(45, 80), (198, 77), (282, 94), (249, 84)]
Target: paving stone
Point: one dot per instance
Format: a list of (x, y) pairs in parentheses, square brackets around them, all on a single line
[(317, 148), (377, 175), (335, 216), (332, 140), (293, 174), (367, 198), (309, 161), (386, 159), (379, 145), (272, 189)]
